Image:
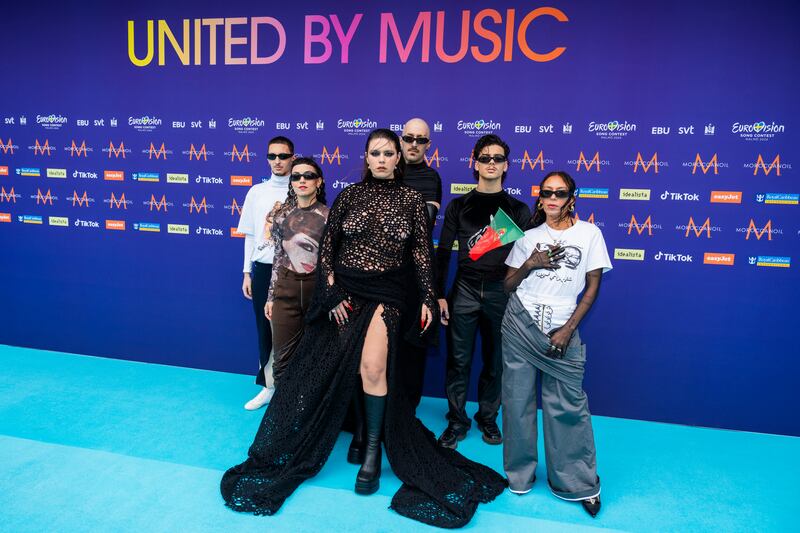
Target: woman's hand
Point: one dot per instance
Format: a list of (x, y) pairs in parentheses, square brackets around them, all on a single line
[(444, 312), (339, 313), (559, 340), (425, 318), (268, 311), (546, 258)]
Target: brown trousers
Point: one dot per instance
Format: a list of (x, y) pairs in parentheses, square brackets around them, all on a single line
[(290, 299)]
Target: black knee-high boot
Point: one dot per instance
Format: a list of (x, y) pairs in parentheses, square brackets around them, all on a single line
[(355, 454), (368, 479)]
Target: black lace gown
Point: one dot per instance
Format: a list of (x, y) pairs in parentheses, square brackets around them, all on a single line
[(376, 246)]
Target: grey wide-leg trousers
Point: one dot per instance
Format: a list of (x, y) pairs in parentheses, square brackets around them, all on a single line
[(567, 423)]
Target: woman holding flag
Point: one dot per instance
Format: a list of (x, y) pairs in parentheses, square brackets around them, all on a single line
[(558, 259), (477, 300)]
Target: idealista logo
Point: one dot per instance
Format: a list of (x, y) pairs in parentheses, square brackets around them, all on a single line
[(327, 157), (612, 130), (173, 177), (76, 150), (645, 166), (148, 177), (634, 194), (31, 172), (145, 123), (242, 181), (246, 124), (757, 131), (669, 257), (357, 126), (52, 121), (778, 198), (149, 227), (41, 148), (706, 228), (698, 163), (462, 188), (58, 221), (592, 164), (680, 196), (157, 153), (640, 227), (59, 173), (776, 165), (116, 151), (30, 219), (715, 258), (8, 147), (592, 192), (538, 162), (767, 229), (178, 229), (629, 254), (771, 261), (478, 128), (726, 197)]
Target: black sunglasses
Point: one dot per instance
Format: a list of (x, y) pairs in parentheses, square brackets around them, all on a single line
[(496, 158), (410, 139), (547, 193), (282, 157), (296, 176)]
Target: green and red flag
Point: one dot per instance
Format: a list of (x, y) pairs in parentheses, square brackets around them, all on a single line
[(500, 231)]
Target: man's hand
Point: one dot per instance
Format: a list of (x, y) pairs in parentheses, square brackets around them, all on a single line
[(247, 286), (444, 312), (268, 311)]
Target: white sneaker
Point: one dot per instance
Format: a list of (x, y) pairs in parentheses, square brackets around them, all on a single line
[(261, 399)]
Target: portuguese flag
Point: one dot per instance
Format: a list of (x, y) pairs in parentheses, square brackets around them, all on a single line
[(500, 231)]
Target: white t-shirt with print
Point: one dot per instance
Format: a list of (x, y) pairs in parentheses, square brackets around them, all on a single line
[(259, 202), (550, 296)]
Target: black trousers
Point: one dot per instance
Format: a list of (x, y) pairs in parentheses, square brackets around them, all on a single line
[(259, 278), (475, 305)]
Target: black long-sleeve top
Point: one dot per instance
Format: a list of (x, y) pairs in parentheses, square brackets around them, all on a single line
[(465, 220), (425, 180)]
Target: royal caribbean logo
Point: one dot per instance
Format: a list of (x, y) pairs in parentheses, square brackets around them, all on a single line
[(757, 131), (592, 192), (149, 177), (770, 261), (32, 172), (646, 166), (51, 122), (145, 123), (30, 219), (358, 126), (612, 130), (704, 166), (478, 128), (778, 198), (246, 124), (149, 227), (766, 169)]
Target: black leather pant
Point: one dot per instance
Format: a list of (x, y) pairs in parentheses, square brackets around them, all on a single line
[(474, 305)]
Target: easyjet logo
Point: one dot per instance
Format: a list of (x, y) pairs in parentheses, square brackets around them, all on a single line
[(775, 165), (5, 217), (115, 224), (726, 197), (196, 154), (712, 258), (40, 149), (712, 163), (158, 205), (244, 154), (653, 162), (3, 171), (331, 156), (193, 205), (116, 151), (242, 180), (113, 175), (76, 150), (236, 234), (157, 153)]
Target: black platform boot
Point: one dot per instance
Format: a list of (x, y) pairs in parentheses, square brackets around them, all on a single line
[(355, 454), (369, 476)]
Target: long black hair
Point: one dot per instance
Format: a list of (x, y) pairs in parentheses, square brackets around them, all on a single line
[(539, 217), (389, 135)]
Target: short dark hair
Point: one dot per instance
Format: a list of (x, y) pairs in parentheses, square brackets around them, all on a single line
[(280, 139), (483, 142)]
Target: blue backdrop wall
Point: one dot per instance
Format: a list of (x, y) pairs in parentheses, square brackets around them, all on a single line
[(130, 135)]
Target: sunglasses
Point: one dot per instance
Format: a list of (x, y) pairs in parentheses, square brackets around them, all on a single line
[(386, 153), (547, 193), (296, 176), (282, 157), (488, 158), (419, 140)]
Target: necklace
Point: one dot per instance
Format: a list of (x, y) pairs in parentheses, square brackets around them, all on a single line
[(558, 235)]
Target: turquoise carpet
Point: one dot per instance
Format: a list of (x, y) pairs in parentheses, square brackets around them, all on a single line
[(93, 444)]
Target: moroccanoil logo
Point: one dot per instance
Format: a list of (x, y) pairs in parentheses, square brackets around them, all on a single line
[(462, 188), (44, 199), (629, 254), (157, 205), (634, 194), (81, 201), (775, 165), (177, 178), (79, 151), (243, 181), (116, 151), (330, 156), (114, 175), (117, 202), (115, 224), (589, 164), (9, 196), (434, 158), (161, 152), (196, 154), (712, 163), (590, 219), (7, 147), (532, 163), (647, 224), (753, 229), (714, 258), (194, 206), (244, 154), (639, 163), (726, 197), (58, 221), (234, 207), (692, 227), (40, 149)]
